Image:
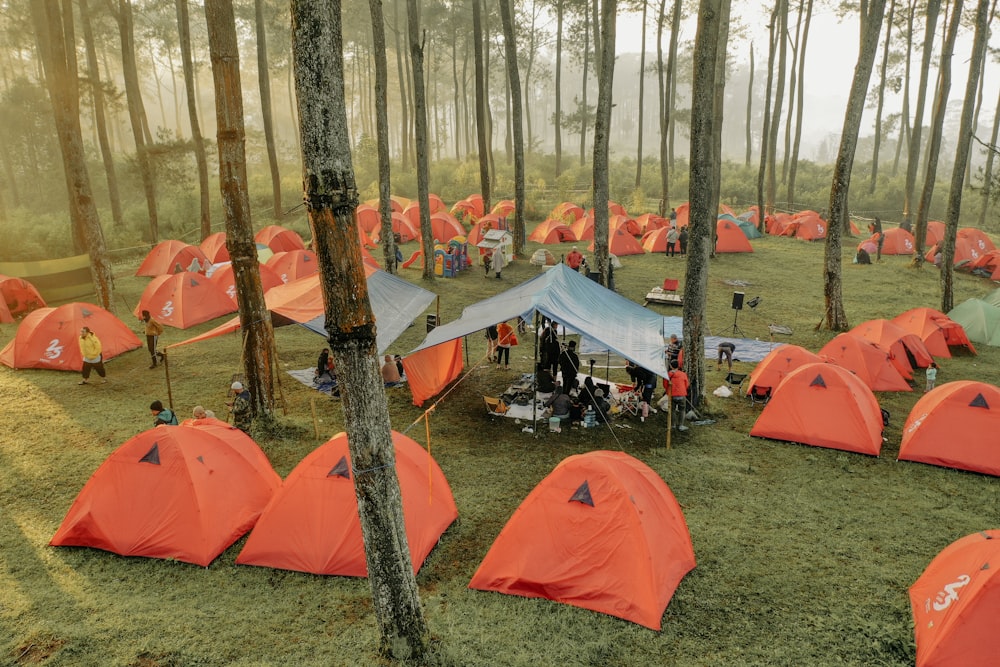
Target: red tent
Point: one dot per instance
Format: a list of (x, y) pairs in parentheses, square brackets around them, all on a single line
[(810, 227), (868, 360), (168, 255), (602, 532), (656, 240), (980, 241), (955, 603), (898, 241), (826, 406), (566, 212), (469, 209), (214, 247), (955, 426), (184, 300), (312, 523), (226, 280), (620, 243), (648, 222), (444, 227), (937, 330), (294, 264), (176, 492), (18, 297), (369, 218), (730, 238), (47, 337), (778, 363), (552, 231), (279, 239), (583, 229), (906, 349)]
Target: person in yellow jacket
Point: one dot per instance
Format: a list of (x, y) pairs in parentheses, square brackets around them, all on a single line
[(90, 350), (153, 332)]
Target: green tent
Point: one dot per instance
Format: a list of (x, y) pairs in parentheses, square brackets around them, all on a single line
[(748, 228), (980, 319), (993, 297)]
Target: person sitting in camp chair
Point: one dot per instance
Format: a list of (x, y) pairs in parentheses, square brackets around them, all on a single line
[(390, 374)]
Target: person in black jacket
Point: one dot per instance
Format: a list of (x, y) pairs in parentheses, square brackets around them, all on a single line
[(569, 364)]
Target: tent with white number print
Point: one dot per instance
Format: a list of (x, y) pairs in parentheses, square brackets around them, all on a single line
[(184, 300), (47, 337)]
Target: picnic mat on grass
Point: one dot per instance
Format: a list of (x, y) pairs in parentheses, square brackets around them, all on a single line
[(307, 376)]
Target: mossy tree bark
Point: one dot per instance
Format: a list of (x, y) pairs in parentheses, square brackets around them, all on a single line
[(420, 127), (197, 142), (264, 85), (602, 135), (331, 197), (481, 121), (931, 13), (382, 134), (517, 120)]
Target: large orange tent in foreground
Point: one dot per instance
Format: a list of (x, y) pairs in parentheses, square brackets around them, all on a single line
[(956, 603), (955, 425), (603, 532), (177, 492), (312, 524), (826, 406), (47, 337)]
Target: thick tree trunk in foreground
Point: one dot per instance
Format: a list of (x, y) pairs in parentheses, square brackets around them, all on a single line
[(704, 166), (264, 84), (871, 25), (331, 196), (48, 21), (198, 143), (382, 134), (514, 78), (602, 133), (258, 336), (965, 132)]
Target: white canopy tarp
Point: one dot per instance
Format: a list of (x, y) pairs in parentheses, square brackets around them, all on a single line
[(582, 305)]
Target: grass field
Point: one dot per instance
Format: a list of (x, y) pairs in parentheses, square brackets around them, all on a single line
[(804, 554)]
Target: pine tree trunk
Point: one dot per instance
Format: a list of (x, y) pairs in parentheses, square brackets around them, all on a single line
[(662, 100), (792, 83), (779, 94), (602, 129), (484, 147), (404, 120), (881, 98), (642, 93), (974, 131), (718, 108), (420, 124), (749, 139), (904, 124), (965, 132), (136, 114), (457, 100), (675, 30), (936, 129), (255, 320), (264, 83), (60, 71), (704, 168), (382, 135), (913, 151), (871, 25), (762, 212), (583, 86), (557, 118), (100, 119), (794, 162), (510, 46), (331, 196), (988, 169), (184, 38)]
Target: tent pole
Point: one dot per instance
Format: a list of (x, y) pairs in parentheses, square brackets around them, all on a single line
[(534, 384), (166, 368), (670, 413)]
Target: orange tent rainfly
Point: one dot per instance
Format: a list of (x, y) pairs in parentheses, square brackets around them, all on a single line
[(810, 227), (17, 297), (566, 212), (656, 240), (312, 524), (620, 243), (730, 238), (826, 406), (168, 255), (190, 494), (602, 532), (294, 264), (906, 349), (779, 362), (445, 227), (938, 331), (47, 337), (469, 209), (955, 426), (552, 231), (214, 247), (898, 241), (868, 360), (279, 239), (583, 229), (955, 603), (184, 300), (225, 279)]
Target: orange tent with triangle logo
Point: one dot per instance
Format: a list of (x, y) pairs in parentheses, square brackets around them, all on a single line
[(826, 406), (779, 362), (955, 603), (955, 426), (602, 532), (177, 492), (312, 524)]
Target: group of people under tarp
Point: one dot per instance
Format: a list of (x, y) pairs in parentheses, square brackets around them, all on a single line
[(326, 373)]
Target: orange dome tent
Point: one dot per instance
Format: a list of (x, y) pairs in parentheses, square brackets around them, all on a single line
[(176, 492), (583, 229), (937, 330), (906, 349), (214, 247), (184, 300), (279, 239), (955, 603), (649, 222), (868, 360), (552, 231), (980, 241), (621, 243), (935, 233), (17, 297), (779, 362), (224, 278), (955, 426), (369, 219), (566, 212), (312, 524), (809, 227), (655, 240), (469, 209), (823, 405), (626, 223), (730, 238), (503, 208), (294, 264), (479, 229), (898, 241), (47, 337), (167, 255), (445, 227), (602, 532)]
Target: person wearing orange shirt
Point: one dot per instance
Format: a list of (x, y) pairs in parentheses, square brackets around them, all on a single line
[(574, 258), (505, 339), (679, 385)]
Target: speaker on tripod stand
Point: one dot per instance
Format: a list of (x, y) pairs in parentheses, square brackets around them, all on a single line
[(737, 307)]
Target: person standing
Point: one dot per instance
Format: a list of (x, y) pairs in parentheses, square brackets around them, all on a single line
[(878, 237), (574, 258), (492, 338), (505, 339), (93, 359), (569, 364), (931, 376), (549, 349), (497, 262), (240, 407), (672, 241), (679, 385), (682, 240), (153, 332)]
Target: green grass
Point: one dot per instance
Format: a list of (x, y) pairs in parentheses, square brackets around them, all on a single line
[(804, 554)]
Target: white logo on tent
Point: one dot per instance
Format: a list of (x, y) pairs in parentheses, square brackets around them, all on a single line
[(950, 593), (908, 243), (820, 229), (54, 350), (231, 291), (168, 309)]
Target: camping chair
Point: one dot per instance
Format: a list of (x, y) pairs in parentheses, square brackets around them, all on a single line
[(495, 407), (670, 284), (629, 400), (736, 380), (759, 394)]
